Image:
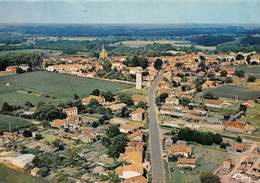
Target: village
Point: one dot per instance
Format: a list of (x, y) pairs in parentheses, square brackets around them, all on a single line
[(104, 136)]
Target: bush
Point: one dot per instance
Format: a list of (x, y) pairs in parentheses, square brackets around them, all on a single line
[(251, 79), (240, 73)]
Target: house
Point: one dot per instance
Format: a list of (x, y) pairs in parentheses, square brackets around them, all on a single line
[(238, 127), (137, 114), (131, 126), (58, 123), (72, 116), (87, 134), (249, 103), (72, 111), (172, 100), (240, 147), (227, 164), (168, 91), (136, 136), (183, 150), (86, 100), (11, 69), (134, 70), (209, 84), (34, 171), (137, 179), (138, 98), (133, 155), (117, 108), (186, 163)]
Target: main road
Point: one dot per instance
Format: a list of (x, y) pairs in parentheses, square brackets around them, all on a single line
[(156, 150)]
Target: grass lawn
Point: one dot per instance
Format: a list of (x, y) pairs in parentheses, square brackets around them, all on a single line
[(253, 115), (9, 175), (15, 122), (34, 86), (209, 159)]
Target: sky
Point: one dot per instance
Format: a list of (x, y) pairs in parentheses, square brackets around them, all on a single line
[(130, 11)]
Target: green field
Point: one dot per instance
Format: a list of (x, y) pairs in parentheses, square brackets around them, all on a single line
[(8, 175), (209, 159), (34, 86), (253, 115), (253, 70), (235, 92), (14, 122)]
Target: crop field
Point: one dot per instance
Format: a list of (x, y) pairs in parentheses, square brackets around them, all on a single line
[(50, 86), (235, 92), (253, 70), (209, 159), (15, 123)]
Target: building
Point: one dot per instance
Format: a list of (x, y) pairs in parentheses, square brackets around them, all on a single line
[(137, 114), (138, 98), (136, 136), (58, 123), (11, 69), (117, 108), (139, 80), (72, 119), (240, 147), (72, 111), (186, 163), (238, 127), (137, 179), (213, 103), (103, 54), (181, 150), (133, 155), (131, 126)]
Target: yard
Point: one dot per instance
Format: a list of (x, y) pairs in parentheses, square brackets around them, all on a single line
[(15, 123), (209, 159), (50, 86)]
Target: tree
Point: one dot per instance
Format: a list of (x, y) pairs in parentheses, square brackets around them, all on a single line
[(96, 92), (239, 139), (158, 64), (27, 133), (208, 177), (228, 80), (141, 105), (105, 141), (127, 99), (38, 136), (75, 96), (113, 131), (223, 73), (106, 66), (240, 56), (109, 96), (161, 98), (28, 104), (43, 172), (209, 95), (6, 107), (240, 73), (251, 79)]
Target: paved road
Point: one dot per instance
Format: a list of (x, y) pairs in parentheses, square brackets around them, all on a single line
[(156, 158)]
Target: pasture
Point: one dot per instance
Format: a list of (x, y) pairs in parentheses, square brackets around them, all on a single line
[(252, 70), (15, 123), (235, 92), (50, 86)]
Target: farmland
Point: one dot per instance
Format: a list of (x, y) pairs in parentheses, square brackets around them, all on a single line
[(236, 92), (14, 122), (252, 70), (49, 86)]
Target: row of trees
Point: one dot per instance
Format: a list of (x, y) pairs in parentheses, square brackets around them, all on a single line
[(204, 138), (19, 58)]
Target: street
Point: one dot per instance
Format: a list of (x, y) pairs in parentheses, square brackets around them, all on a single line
[(156, 155)]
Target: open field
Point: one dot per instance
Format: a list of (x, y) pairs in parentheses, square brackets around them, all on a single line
[(209, 159), (235, 92), (50, 86), (253, 115), (253, 70), (15, 123), (143, 43), (9, 175), (39, 51)]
